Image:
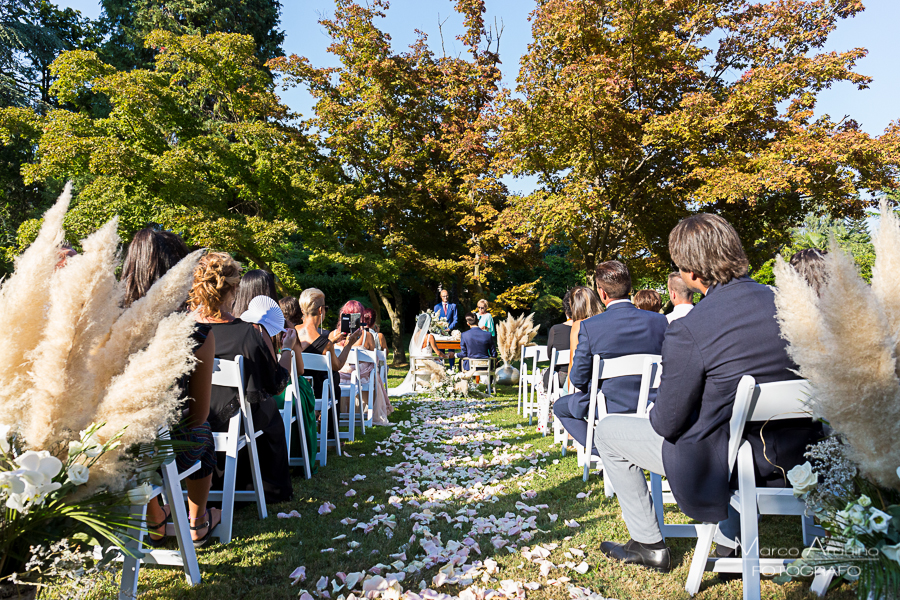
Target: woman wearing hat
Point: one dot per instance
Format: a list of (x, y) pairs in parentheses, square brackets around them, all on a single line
[(216, 280)]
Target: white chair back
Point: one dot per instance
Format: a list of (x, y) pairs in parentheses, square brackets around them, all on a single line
[(293, 413), (483, 368), (230, 374), (326, 402)]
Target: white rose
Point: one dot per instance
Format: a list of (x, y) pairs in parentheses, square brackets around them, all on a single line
[(803, 478), (91, 446), (864, 501), (75, 448), (858, 515), (141, 495), (878, 521), (854, 546), (78, 474), (4, 437), (892, 552)]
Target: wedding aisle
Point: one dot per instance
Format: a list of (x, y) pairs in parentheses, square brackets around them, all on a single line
[(460, 499)]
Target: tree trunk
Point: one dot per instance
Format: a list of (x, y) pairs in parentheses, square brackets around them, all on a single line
[(376, 307), (394, 311)]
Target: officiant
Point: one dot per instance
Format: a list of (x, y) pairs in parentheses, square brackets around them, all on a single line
[(447, 310)]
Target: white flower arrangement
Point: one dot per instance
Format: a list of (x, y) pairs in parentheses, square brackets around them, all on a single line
[(439, 325)]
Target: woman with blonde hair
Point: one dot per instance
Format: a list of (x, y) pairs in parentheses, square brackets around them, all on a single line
[(485, 320), (216, 280)]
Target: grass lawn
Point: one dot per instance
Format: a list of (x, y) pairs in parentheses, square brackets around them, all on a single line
[(474, 461)]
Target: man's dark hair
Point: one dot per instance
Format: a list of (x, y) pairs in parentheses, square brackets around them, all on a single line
[(648, 300), (811, 264), (614, 279), (151, 253), (567, 304), (290, 306), (709, 247), (471, 320)]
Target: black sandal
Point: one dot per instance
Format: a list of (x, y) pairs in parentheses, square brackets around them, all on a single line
[(157, 543), (209, 529)]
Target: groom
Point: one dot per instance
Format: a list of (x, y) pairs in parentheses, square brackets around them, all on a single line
[(447, 310)]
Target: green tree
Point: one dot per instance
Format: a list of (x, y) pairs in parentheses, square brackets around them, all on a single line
[(634, 114), (129, 22), (198, 144), (415, 196)]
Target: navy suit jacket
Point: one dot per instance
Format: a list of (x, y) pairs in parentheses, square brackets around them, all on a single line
[(731, 333), (450, 315), (623, 329), (476, 343)]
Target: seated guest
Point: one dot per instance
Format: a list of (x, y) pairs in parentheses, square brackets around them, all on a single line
[(150, 255), (312, 304), (621, 330), (585, 304), (681, 297), (811, 264), (381, 407), (370, 324), (475, 342), (262, 283), (485, 320), (558, 339), (705, 354), (648, 300), (216, 281)]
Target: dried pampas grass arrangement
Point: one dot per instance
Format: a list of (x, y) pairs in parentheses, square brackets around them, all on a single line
[(512, 334), (845, 343), (70, 355)]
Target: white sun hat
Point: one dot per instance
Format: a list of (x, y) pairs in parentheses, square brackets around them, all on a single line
[(266, 312)]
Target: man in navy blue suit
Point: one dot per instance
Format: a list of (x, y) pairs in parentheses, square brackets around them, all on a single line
[(447, 310), (731, 333), (475, 343), (621, 330)]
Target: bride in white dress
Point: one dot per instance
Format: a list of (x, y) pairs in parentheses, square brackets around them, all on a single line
[(420, 346)]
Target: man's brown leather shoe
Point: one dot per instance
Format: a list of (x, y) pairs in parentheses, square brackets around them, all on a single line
[(633, 553)]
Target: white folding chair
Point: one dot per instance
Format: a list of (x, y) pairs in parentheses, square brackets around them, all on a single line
[(415, 364), (230, 373), (291, 414), (556, 391), (326, 404), (484, 369), (753, 403), (185, 556), (528, 380), (611, 368), (359, 357)]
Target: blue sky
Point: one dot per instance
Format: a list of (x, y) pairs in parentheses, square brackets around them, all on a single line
[(875, 29)]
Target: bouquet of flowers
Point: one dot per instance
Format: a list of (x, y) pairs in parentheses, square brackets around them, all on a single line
[(448, 384), (862, 519), (439, 325)]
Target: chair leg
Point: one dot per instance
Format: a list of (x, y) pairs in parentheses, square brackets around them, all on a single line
[(337, 431), (705, 535), (257, 477), (822, 582), (750, 547), (223, 531), (131, 566), (304, 447), (180, 521)]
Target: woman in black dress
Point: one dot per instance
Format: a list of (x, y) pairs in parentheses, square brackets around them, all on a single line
[(312, 303), (216, 280), (558, 339)]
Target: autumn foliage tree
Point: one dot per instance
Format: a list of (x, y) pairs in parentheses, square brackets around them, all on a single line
[(414, 190), (635, 113), (199, 144)]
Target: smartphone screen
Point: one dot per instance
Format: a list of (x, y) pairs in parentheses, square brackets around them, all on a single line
[(350, 322)]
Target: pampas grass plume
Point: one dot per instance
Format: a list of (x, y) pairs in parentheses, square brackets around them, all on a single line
[(70, 355), (513, 333), (845, 345)]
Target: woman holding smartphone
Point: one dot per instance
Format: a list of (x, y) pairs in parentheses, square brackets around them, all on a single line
[(380, 406)]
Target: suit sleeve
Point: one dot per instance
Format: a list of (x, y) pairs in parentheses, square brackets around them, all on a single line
[(451, 318), (681, 385), (462, 346), (492, 349), (580, 371)]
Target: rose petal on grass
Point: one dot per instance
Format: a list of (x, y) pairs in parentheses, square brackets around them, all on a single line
[(298, 574), (582, 568), (553, 517), (573, 523), (326, 508), (350, 493)]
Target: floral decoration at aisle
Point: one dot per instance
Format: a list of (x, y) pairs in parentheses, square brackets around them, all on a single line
[(84, 388), (845, 342)]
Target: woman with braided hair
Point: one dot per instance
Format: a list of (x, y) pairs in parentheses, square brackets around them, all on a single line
[(216, 280)]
